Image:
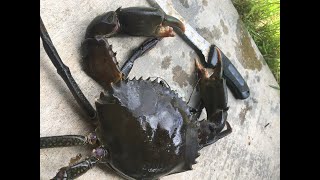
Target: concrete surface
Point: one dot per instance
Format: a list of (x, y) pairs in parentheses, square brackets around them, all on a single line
[(252, 151)]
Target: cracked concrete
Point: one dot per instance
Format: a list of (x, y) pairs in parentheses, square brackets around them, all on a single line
[(252, 151)]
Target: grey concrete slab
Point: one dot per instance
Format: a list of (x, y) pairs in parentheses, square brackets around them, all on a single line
[(252, 151)]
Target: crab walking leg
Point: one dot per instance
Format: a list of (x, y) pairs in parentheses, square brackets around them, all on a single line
[(75, 170), (67, 140), (64, 72), (141, 50)]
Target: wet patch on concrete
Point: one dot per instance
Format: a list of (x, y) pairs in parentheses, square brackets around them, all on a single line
[(254, 100), (181, 77), (184, 3), (243, 112), (224, 27), (216, 33), (192, 9), (244, 50), (209, 35), (205, 33), (166, 62), (205, 2)]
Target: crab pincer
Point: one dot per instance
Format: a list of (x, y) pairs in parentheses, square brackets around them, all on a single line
[(214, 98), (100, 61), (134, 21)]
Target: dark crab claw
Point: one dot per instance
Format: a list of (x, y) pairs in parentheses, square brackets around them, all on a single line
[(147, 21), (134, 21), (215, 62), (213, 93), (106, 24), (213, 88), (170, 21)]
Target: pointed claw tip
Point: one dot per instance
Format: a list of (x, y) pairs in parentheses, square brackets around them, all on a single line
[(201, 70), (198, 65), (219, 55), (182, 27), (174, 22)]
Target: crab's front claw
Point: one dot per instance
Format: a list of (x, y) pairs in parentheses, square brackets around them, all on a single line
[(214, 96), (213, 88), (106, 24), (170, 21), (135, 21), (147, 21)]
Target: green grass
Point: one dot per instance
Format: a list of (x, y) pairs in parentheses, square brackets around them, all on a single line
[(262, 20)]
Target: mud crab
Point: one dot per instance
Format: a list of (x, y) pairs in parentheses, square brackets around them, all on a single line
[(144, 129)]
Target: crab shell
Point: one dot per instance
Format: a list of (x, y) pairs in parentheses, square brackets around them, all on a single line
[(147, 130)]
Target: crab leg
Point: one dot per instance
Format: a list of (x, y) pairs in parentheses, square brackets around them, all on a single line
[(67, 140), (141, 50), (75, 170), (64, 72)]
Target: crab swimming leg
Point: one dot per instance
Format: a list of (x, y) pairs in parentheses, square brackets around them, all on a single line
[(73, 171), (64, 72), (67, 140)]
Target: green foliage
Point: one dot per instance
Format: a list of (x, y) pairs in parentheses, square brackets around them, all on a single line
[(262, 20)]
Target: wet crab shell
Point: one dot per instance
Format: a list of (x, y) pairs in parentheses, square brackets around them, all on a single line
[(147, 130)]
